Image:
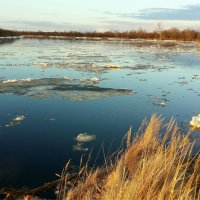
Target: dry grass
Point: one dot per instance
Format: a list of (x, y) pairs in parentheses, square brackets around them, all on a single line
[(151, 168)]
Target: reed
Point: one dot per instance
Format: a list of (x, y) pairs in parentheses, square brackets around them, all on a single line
[(153, 166)]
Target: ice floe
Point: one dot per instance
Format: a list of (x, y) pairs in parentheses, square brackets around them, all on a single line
[(72, 89), (84, 137), (149, 67), (95, 79), (41, 64), (195, 122), (79, 147), (15, 121), (27, 79), (91, 81), (158, 101), (162, 104), (19, 118), (183, 82), (9, 81), (196, 77), (15, 80), (113, 66)]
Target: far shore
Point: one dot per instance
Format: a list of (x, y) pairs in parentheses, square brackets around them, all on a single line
[(172, 34), (142, 41)]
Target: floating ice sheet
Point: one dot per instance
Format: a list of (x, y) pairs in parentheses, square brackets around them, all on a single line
[(84, 137), (72, 89), (41, 64), (94, 67), (15, 121), (145, 67), (159, 101), (79, 147), (19, 118), (196, 77)]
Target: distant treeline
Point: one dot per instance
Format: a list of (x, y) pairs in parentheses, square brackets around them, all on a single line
[(7, 33), (169, 34)]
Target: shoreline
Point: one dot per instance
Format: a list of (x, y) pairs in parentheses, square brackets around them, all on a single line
[(110, 39)]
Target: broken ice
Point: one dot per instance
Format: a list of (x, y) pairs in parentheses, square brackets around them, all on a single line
[(195, 122), (72, 89), (84, 137)]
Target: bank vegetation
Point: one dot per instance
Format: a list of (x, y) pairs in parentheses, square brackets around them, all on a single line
[(159, 34), (155, 165)]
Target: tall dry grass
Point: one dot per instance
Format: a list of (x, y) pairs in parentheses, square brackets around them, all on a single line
[(152, 167)]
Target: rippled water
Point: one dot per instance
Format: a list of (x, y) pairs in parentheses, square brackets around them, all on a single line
[(53, 90)]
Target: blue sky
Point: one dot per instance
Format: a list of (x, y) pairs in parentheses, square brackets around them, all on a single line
[(98, 15)]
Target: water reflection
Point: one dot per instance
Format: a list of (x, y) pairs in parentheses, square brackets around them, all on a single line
[(4, 41)]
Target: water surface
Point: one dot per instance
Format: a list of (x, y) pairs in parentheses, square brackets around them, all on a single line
[(64, 88)]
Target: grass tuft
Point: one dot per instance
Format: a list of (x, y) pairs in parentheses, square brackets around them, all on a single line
[(153, 166)]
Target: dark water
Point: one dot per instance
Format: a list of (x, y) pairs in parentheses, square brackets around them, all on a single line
[(63, 88)]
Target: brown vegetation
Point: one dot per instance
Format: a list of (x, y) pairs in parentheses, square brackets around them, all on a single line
[(151, 168), (159, 34), (170, 34), (6, 33)]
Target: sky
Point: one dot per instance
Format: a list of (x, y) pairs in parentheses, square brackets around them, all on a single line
[(99, 15)]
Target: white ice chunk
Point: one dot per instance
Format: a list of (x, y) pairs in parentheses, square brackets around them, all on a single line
[(95, 79), (162, 104), (19, 118), (10, 81), (113, 66), (80, 147), (84, 137), (41, 64), (195, 122), (27, 79)]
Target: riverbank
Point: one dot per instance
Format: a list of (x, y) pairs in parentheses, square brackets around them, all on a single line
[(135, 42), (168, 34)]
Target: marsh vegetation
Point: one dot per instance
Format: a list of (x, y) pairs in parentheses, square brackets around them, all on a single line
[(158, 34), (154, 165)]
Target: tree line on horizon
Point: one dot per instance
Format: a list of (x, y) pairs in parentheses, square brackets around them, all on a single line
[(6, 33), (167, 34)]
